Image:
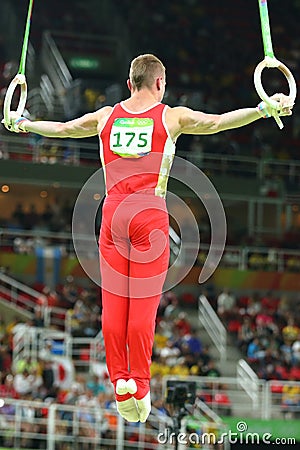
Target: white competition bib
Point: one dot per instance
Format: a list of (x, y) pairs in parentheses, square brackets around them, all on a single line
[(131, 137)]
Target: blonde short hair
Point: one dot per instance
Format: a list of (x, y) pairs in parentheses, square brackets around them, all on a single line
[(143, 71)]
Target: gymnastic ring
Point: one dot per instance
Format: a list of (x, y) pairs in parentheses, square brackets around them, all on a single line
[(286, 72), (273, 63), (18, 80)]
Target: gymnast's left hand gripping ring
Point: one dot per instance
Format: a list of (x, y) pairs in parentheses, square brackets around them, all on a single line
[(273, 63), (18, 80)]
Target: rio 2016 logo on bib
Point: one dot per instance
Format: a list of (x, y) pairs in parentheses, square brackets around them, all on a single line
[(131, 137)]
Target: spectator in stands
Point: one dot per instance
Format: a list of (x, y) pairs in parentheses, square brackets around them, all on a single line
[(269, 372), (23, 364), (296, 350), (38, 319), (71, 398), (254, 350), (210, 370), (19, 214), (47, 214), (82, 320), (291, 331), (24, 382), (295, 372), (46, 350), (49, 297), (284, 306), (76, 319), (96, 385), (170, 353), (31, 218), (7, 389), (69, 293), (49, 389), (253, 306), (286, 354), (193, 342), (290, 399), (5, 358), (265, 324), (172, 310), (221, 401), (226, 304), (181, 324), (246, 333), (269, 302)]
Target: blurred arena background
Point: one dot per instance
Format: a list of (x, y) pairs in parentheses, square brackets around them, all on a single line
[(237, 337)]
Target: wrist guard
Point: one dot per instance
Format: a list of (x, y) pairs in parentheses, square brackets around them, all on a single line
[(18, 125)]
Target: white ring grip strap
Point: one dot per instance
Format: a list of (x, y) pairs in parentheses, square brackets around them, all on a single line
[(18, 80), (273, 63)]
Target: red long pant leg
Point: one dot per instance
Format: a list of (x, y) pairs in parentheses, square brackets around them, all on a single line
[(114, 327), (141, 327), (115, 300), (148, 266)]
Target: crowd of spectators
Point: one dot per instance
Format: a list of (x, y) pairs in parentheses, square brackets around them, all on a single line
[(49, 378), (34, 224), (69, 17), (212, 59), (56, 216), (210, 51), (178, 350), (266, 328)]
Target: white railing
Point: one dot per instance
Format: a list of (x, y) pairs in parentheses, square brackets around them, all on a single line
[(222, 395), (59, 73), (176, 255), (282, 399), (18, 148), (248, 166), (48, 425), (29, 341), (21, 345), (249, 381), (55, 317), (26, 300), (254, 258), (21, 296), (37, 424), (241, 258), (228, 396), (41, 100), (213, 326), (34, 343)]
